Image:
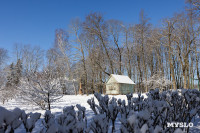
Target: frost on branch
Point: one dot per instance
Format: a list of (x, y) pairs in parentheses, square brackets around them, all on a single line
[(41, 89), (157, 81)]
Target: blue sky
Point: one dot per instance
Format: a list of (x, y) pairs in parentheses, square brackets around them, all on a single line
[(34, 21)]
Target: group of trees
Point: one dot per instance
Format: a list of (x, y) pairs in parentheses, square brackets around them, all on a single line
[(94, 48), (103, 47)]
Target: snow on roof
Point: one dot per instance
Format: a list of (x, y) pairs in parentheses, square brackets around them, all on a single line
[(122, 79)]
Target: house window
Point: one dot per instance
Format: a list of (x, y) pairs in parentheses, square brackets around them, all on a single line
[(111, 88)]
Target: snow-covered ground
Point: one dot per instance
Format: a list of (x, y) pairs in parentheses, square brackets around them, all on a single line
[(69, 100), (57, 106)]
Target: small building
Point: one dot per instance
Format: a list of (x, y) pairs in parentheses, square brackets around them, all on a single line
[(119, 84)]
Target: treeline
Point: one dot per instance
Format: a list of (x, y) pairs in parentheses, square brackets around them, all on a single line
[(94, 48)]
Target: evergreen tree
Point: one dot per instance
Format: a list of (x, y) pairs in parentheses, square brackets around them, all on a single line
[(10, 77), (14, 74), (18, 71)]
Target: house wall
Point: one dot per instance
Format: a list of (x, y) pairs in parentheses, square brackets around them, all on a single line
[(126, 88), (112, 88)]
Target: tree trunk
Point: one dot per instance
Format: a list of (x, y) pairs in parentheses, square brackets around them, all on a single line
[(80, 89), (74, 87), (170, 56), (185, 79), (48, 101)]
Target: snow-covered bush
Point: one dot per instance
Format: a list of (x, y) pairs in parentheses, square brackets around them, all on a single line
[(29, 120), (159, 108), (107, 107), (99, 124), (69, 121), (149, 114), (11, 120), (49, 123)]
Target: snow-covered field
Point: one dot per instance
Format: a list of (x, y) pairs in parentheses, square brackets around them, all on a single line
[(69, 100), (57, 107)]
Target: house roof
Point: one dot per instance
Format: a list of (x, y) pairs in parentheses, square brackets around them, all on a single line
[(122, 79)]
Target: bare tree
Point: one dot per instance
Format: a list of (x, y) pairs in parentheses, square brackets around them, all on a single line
[(142, 30), (3, 56), (169, 36), (194, 5), (81, 40), (115, 31), (128, 44), (64, 48), (31, 56), (41, 89), (96, 26)]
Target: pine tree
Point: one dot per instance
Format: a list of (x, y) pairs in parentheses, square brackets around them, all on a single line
[(18, 71), (10, 76), (14, 74)]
